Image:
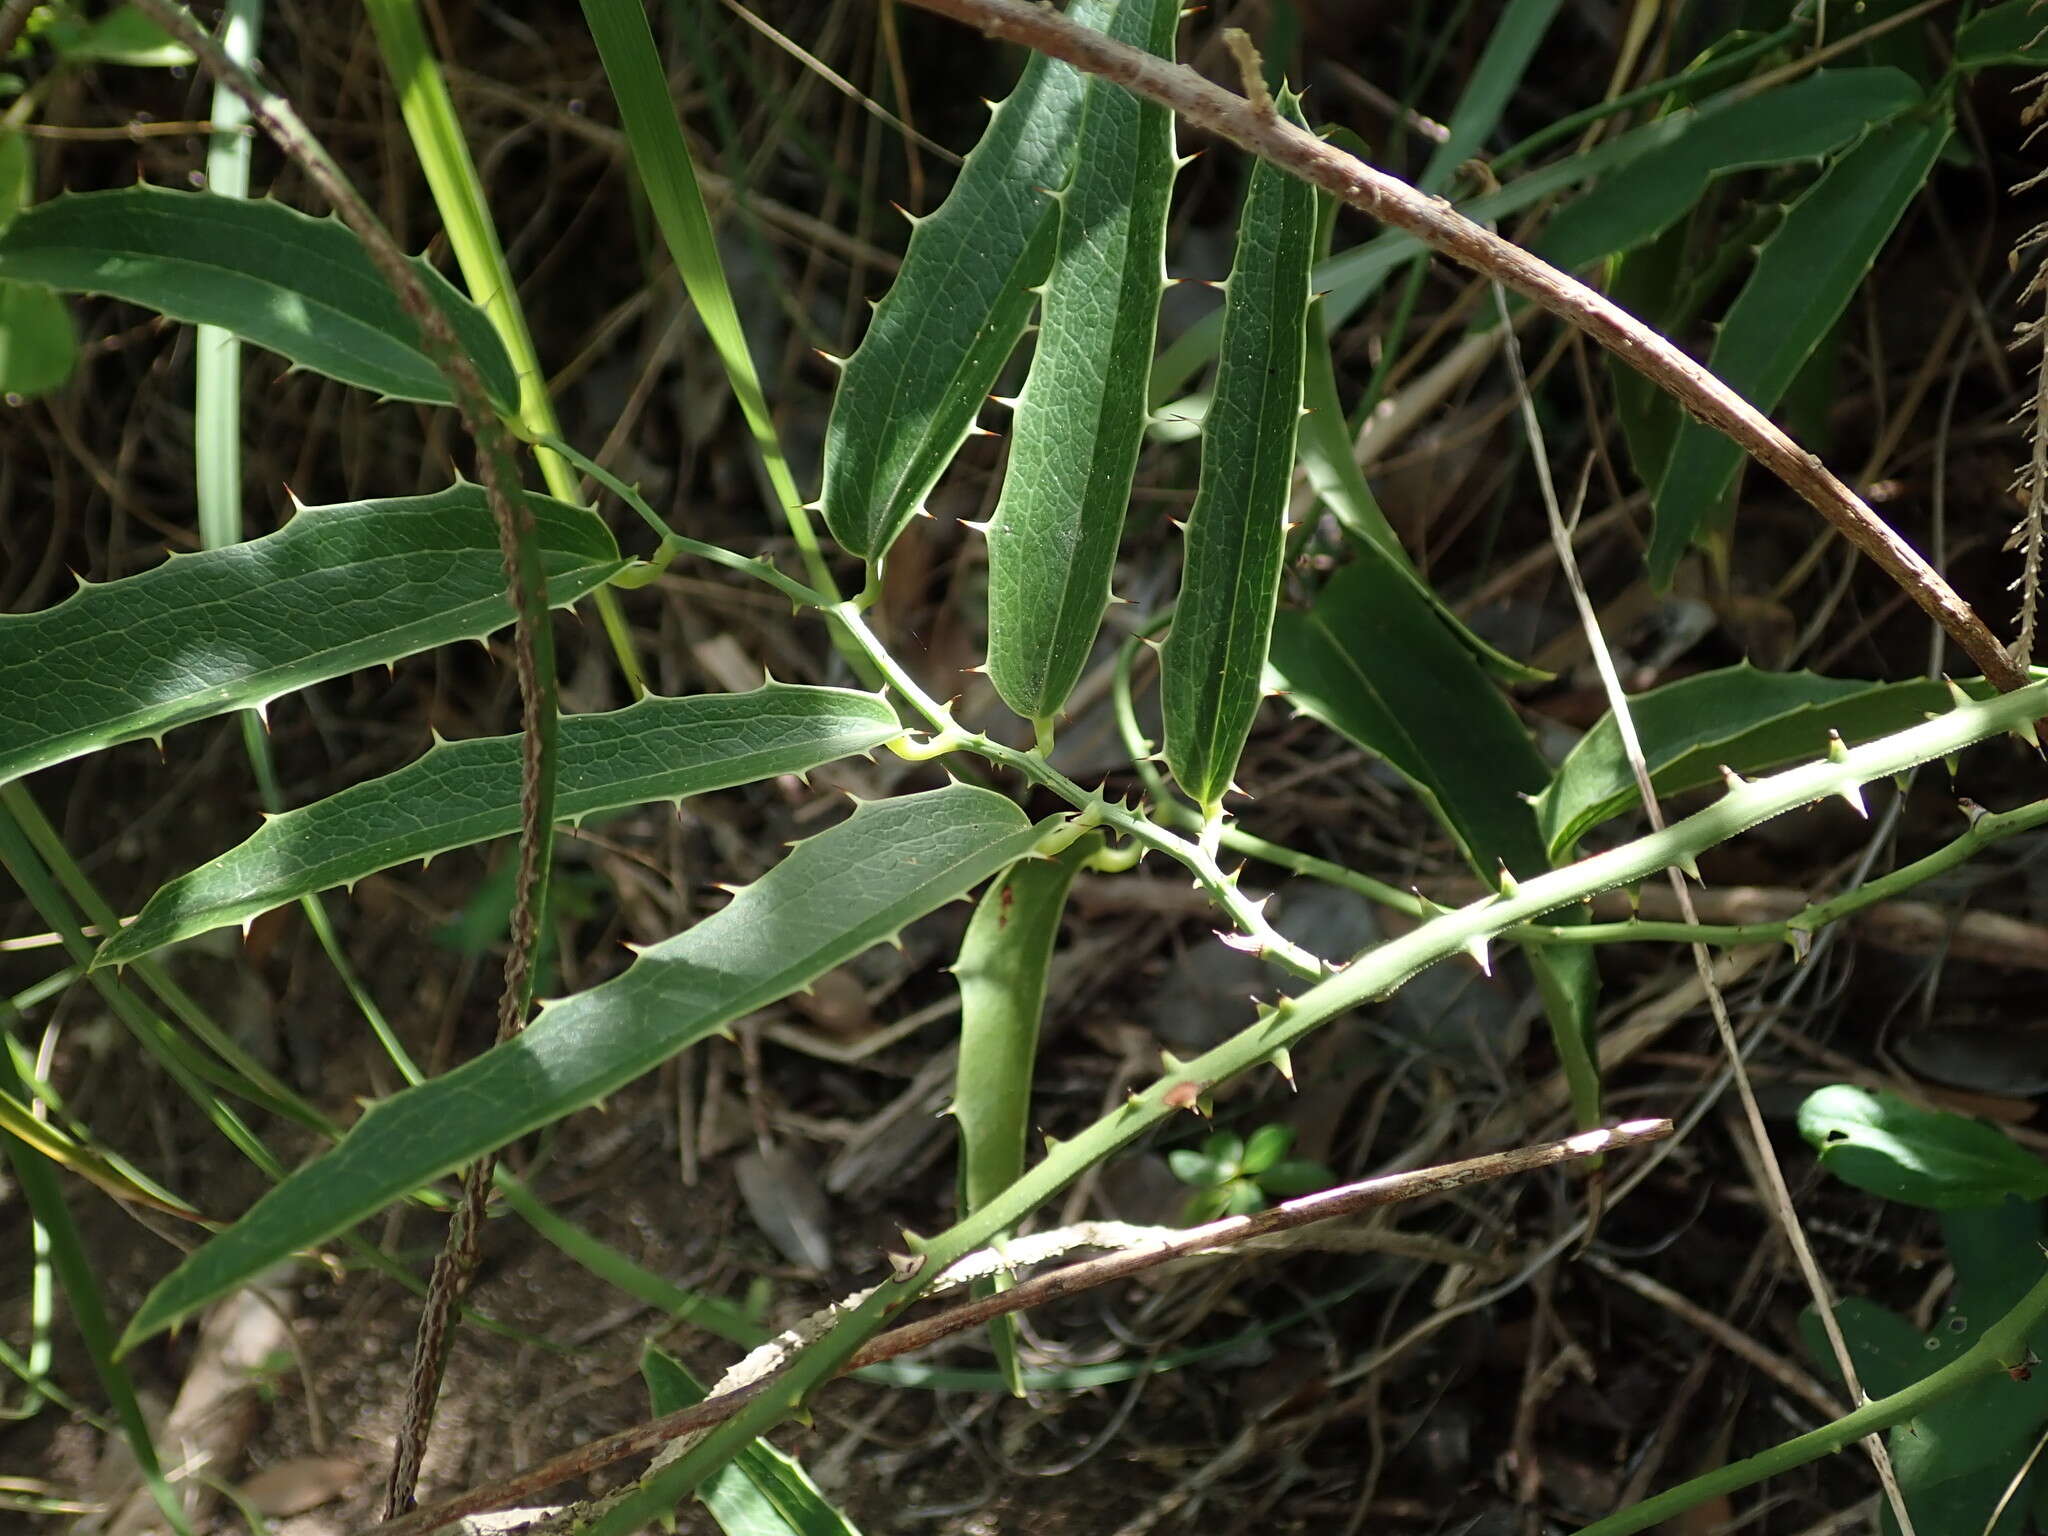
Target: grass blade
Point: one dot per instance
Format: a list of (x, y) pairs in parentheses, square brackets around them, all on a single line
[(74, 1271), (226, 629), (1081, 419), (661, 157), (444, 158), (1800, 121), (1213, 663), (1002, 970), (278, 278), (832, 896), (1804, 278), (940, 336), (468, 792)]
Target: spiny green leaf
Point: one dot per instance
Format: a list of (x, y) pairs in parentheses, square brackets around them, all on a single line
[(1925, 1157), (1804, 278), (337, 588), (1752, 721), (2011, 33), (1512, 38), (1001, 970), (949, 322), (276, 277), (1372, 662), (466, 792), (833, 896), (1081, 419), (1212, 666)]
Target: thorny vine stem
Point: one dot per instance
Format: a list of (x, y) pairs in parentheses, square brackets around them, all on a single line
[(533, 652), (1440, 226), (848, 621), (1372, 975)]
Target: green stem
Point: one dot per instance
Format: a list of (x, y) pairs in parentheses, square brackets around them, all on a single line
[(851, 627), (1261, 937), (1374, 974), (2002, 1348), (1984, 830), (1167, 807)]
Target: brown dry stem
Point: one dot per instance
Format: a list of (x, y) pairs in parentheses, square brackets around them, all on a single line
[(1231, 1232)]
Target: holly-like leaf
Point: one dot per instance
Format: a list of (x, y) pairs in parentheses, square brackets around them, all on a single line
[(466, 792), (337, 588), (833, 896), (277, 278)]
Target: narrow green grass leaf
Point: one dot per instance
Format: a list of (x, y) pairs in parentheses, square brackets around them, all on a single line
[(831, 897), (77, 1277), (467, 792), (1081, 419), (1752, 721), (1801, 121), (941, 334), (278, 278), (711, 1313), (661, 160), (1511, 43), (225, 629), (1349, 279), (1001, 970), (1804, 278), (1213, 664), (1372, 662), (763, 1492), (444, 159)]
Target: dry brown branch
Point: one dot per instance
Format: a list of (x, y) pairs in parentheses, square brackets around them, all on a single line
[(1231, 1232), (1443, 229)]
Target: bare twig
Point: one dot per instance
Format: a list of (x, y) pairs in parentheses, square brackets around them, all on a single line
[(526, 585), (1231, 1232), (1441, 227)]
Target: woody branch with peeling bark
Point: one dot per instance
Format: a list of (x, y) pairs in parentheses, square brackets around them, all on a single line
[(1256, 129), (1230, 1233)]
